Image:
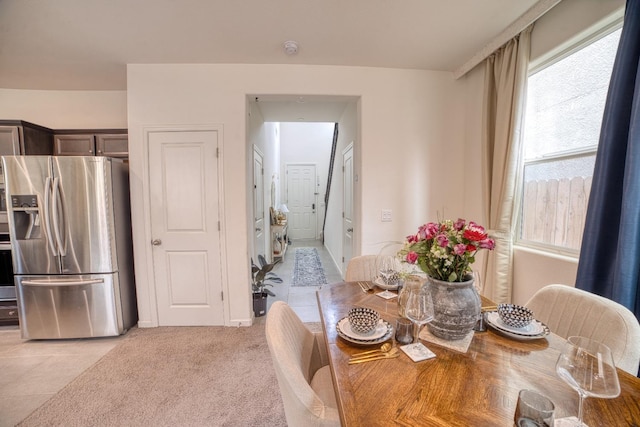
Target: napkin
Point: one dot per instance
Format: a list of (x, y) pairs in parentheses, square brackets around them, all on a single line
[(461, 345), (417, 352), (386, 295)]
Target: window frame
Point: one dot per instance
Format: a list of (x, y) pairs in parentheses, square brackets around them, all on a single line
[(562, 52)]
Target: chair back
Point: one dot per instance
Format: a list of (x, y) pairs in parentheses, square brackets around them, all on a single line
[(569, 311), (296, 359), (367, 267)]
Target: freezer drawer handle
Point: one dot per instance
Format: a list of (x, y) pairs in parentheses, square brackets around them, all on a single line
[(62, 282)]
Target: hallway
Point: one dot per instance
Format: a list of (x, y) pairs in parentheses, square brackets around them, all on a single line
[(302, 298)]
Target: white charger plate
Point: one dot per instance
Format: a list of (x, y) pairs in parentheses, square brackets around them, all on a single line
[(533, 331), (533, 328), (380, 283), (383, 332)]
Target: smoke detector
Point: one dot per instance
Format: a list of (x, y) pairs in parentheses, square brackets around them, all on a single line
[(290, 47)]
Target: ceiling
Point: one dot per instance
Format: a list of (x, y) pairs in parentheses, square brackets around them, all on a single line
[(86, 44)]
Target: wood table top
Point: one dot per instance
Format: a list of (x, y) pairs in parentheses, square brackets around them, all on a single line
[(476, 388)]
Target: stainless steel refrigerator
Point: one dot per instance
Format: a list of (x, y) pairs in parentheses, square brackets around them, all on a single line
[(70, 231)]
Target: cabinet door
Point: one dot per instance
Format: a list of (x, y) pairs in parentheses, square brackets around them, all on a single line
[(9, 143), (74, 145), (112, 145), (9, 140)]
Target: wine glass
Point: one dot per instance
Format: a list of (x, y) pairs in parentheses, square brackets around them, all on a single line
[(419, 308), (587, 366)]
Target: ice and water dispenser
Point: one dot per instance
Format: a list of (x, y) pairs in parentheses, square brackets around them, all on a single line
[(26, 217)]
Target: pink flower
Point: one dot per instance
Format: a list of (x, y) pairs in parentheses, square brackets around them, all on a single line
[(459, 224), (412, 257), (460, 249), (443, 241), (487, 244), (412, 239), (428, 231)]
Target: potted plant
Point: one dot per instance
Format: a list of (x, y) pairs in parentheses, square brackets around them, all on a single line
[(445, 251), (261, 277)]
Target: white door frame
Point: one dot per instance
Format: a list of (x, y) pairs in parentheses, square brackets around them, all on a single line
[(345, 258), (151, 305), (259, 224)]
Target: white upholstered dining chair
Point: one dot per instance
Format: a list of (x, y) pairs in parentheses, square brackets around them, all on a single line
[(569, 311), (302, 368), (367, 267)]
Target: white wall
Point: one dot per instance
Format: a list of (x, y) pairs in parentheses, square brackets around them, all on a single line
[(307, 143), (265, 136), (57, 109), (348, 132), (410, 119)]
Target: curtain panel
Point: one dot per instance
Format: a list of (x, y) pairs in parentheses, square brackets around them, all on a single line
[(504, 101), (609, 262)]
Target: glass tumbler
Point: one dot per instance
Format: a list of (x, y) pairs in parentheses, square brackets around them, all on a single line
[(404, 331)]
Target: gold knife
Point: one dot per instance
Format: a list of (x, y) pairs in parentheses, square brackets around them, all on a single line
[(378, 357)]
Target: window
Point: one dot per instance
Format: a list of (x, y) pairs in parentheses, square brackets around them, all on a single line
[(565, 104)]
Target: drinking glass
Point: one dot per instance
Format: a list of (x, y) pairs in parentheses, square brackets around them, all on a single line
[(419, 308), (533, 410), (404, 331), (587, 366)]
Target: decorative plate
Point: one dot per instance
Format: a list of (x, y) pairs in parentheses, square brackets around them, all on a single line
[(380, 283), (383, 332), (533, 331)]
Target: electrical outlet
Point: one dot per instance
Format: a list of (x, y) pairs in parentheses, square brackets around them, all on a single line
[(386, 215)]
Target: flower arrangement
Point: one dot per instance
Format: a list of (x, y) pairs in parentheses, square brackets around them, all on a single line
[(446, 250)]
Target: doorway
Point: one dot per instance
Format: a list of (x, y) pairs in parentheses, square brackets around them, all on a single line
[(284, 112)]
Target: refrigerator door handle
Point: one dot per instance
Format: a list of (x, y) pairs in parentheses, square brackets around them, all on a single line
[(61, 282), (56, 218), (47, 215)]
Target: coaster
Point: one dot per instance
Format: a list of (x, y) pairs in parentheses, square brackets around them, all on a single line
[(566, 422), (461, 345), (418, 352), (386, 295)]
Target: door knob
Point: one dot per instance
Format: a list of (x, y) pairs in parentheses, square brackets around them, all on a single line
[(349, 230), (156, 242), (258, 229)]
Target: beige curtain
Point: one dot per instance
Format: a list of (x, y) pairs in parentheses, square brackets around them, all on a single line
[(504, 100)]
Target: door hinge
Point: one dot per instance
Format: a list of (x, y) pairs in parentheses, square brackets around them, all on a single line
[(222, 295), (343, 260), (217, 152), (342, 214), (218, 225)]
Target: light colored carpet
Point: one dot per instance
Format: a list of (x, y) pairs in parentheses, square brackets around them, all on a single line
[(173, 376), (307, 269)]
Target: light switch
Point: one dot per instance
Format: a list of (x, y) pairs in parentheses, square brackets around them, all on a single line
[(386, 215)]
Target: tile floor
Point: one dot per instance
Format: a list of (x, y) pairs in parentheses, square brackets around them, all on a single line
[(302, 298), (33, 371)]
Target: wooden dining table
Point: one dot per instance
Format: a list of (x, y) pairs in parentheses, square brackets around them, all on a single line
[(478, 387)]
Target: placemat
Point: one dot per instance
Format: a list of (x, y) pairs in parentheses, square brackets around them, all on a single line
[(461, 345)]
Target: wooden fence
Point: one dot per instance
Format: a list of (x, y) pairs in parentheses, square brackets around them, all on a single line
[(554, 211)]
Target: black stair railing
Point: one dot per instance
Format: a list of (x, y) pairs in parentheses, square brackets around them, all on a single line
[(329, 176)]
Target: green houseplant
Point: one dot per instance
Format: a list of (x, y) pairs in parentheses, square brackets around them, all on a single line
[(261, 278)]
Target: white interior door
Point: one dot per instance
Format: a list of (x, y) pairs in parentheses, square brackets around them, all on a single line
[(347, 216), (258, 205), (301, 201), (183, 182)]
